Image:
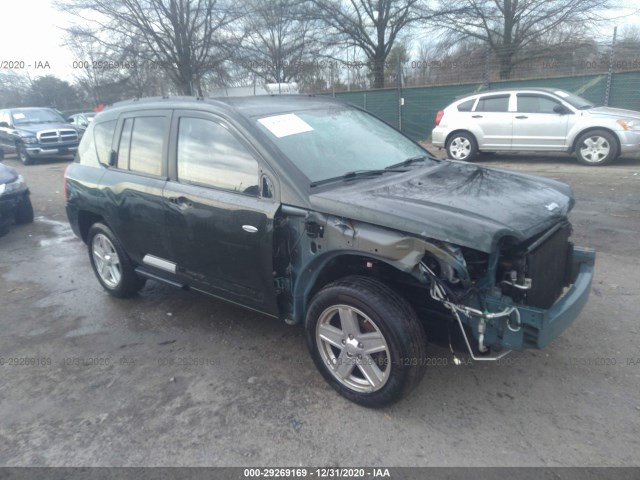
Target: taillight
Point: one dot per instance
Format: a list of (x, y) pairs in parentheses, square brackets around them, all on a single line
[(64, 183), (439, 116)]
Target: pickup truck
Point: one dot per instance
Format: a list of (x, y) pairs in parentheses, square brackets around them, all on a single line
[(36, 132)]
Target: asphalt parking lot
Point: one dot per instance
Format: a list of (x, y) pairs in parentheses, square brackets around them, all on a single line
[(175, 378)]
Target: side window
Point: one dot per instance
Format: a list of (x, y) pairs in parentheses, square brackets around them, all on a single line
[(125, 144), (493, 104), (466, 106), (147, 138), (536, 104), (103, 135), (211, 155)]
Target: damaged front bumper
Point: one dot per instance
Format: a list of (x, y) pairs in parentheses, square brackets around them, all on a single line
[(507, 325)]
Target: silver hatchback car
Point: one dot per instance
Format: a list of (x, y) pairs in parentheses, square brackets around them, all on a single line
[(536, 119)]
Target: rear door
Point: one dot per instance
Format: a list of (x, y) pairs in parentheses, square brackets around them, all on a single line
[(493, 121), (133, 186), (536, 126), (219, 221)]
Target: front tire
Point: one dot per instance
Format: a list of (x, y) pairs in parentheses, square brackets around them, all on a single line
[(23, 155), (24, 212), (111, 264), (596, 148), (366, 341), (462, 146)]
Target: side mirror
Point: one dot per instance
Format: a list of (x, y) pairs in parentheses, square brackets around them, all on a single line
[(113, 157), (267, 187), (4, 125), (560, 109)]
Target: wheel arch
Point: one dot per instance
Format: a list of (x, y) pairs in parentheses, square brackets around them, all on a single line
[(86, 219), (339, 264), (574, 143), (461, 130)]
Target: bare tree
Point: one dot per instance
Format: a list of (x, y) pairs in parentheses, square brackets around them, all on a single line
[(14, 88), (186, 38), (281, 37), (372, 25), (509, 27), (50, 91)]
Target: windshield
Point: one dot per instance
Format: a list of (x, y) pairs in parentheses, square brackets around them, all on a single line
[(35, 115), (331, 142), (574, 100)]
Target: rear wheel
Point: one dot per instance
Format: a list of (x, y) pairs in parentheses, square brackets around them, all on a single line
[(462, 146), (366, 341), (596, 148), (111, 264), (23, 155), (24, 212)]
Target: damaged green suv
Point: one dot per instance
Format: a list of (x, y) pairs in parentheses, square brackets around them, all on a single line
[(316, 212)]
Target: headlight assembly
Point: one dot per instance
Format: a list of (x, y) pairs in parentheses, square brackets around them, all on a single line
[(629, 124), (17, 185)]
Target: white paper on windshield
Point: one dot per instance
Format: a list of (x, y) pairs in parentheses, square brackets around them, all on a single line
[(561, 93), (18, 116), (285, 125)]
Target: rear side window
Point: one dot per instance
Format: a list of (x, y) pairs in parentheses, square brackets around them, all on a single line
[(103, 136), (209, 154), (493, 104), (141, 145), (147, 138), (466, 106)]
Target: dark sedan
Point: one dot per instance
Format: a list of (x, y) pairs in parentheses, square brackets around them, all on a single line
[(15, 204)]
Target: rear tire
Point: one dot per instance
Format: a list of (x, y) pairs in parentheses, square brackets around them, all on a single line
[(111, 265), (24, 212), (596, 148), (462, 146), (366, 341)]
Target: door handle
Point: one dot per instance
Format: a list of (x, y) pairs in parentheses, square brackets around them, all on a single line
[(522, 116), (476, 116), (249, 228)]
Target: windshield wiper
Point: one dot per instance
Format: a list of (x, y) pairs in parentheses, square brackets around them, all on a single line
[(355, 174), (408, 161)]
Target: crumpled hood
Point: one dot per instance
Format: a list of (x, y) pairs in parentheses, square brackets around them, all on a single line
[(455, 202), (7, 174)]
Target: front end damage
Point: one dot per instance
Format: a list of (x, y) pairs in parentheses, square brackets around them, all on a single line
[(521, 295), (531, 292)]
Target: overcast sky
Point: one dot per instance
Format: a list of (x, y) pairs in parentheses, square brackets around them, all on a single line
[(32, 32)]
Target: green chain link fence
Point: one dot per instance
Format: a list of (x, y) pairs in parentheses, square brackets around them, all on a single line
[(413, 110)]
